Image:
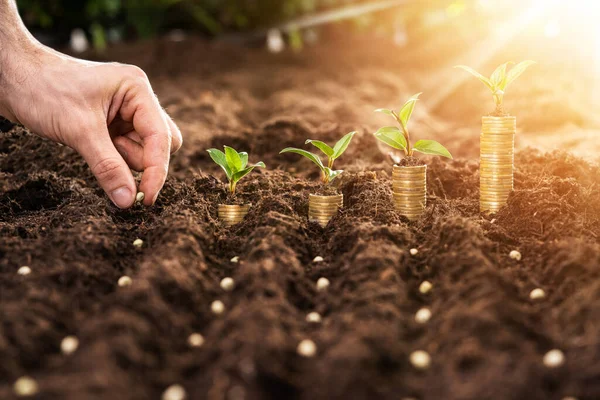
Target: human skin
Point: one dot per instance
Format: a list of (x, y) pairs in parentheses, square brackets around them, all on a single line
[(107, 112)]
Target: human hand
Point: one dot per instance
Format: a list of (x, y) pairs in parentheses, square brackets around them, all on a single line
[(105, 111)]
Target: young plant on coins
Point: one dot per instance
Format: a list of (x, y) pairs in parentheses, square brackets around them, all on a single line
[(321, 208), (409, 178), (236, 167), (497, 138)]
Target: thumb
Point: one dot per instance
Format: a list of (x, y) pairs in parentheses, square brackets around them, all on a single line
[(109, 168)]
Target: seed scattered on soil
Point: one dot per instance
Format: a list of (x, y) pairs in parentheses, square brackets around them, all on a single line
[(139, 197), (425, 287), (554, 358), (24, 270), (307, 348), (25, 387), (420, 359), (515, 255), (125, 281), (227, 284), (217, 307), (69, 345), (537, 293), (138, 243), (313, 317), (414, 252), (322, 284), (423, 315), (195, 340), (174, 392), (235, 259), (318, 259)]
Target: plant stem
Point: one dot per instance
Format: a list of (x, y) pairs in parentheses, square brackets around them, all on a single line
[(232, 185), (407, 150)]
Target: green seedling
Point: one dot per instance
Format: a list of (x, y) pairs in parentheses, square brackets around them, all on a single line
[(399, 137), (332, 153), (234, 164), (500, 79)]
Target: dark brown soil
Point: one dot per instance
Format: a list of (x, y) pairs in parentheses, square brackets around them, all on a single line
[(486, 337)]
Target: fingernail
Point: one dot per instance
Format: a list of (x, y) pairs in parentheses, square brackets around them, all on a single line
[(122, 197)]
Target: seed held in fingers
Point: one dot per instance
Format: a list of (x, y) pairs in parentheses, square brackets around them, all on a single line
[(138, 243), (307, 348), (318, 259), (217, 307), (139, 197), (423, 315), (515, 255), (537, 293), (322, 284), (195, 340), (313, 317), (227, 284), (554, 358), (69, 345), (174, 392), (125, 281), (420, 359), (25, 386), (24, 270), (425, 287)]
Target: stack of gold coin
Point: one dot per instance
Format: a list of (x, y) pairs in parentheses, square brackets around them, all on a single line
[(322, 208), (497, 161), (232, 214), (409, 186)]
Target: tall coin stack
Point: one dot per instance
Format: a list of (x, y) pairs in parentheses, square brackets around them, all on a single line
[(409, 186), (497, 161), (232, 214), (322, 208)]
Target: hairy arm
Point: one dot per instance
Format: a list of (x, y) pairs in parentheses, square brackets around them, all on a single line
[(106, 111)]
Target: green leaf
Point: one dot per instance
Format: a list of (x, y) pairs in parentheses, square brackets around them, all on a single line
[(498, 77), (244, 157), (391, 136), (516, 71), (321, 146), (233, 159), (240, 174), (431, 147), (312, 157), (219, 158), (476, 74), (385, 111), (331, 174), (407, 109), (342, 144)]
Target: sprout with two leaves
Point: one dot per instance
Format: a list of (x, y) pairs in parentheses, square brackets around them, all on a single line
[(234, 164), (500, 80), (398, 137), (332, 153)]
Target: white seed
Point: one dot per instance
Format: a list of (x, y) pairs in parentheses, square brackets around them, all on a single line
[(24, 270), (493, 221), (515, 255), (425, 287), (235, 259), (318, 259), (138, 243), (414, 252), (423, 315), (322, 284), (125, 281), (554, 358), (537, 293), (25, 386), (139, 197), (313, 317), (174, 392), (195, 340), (227, 284), (420, 359), (69, 345), (307, 348), (217, 307)]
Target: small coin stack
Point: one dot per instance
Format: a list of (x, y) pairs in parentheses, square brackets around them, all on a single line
[(322, 208), (497, 161), (409, 185), (232, 214)]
